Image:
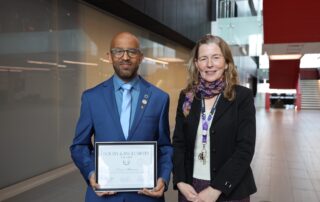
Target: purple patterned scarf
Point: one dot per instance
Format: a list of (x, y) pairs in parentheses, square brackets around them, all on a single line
[(206, 90)]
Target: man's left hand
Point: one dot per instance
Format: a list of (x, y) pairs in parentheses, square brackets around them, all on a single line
[(155, 192)]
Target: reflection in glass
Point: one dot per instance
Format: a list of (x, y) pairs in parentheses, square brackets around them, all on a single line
[(50, 52)]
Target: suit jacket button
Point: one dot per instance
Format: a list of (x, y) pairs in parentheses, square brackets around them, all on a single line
[(214, 150), (212, 131), (214, 170), (228, 184)]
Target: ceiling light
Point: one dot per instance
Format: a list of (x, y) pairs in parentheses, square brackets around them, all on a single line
[(155, 60), (62, 66), (80, 63), (42, 62), (104, 60), (285, 57), (12, 68), (46, 63), (168, 59)]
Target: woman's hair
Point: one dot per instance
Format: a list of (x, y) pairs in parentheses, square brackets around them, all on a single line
[(230, 75)]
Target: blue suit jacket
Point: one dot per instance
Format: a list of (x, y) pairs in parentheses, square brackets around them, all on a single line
[(99, 117)]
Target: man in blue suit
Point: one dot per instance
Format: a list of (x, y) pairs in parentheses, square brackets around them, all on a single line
[(101, 117)]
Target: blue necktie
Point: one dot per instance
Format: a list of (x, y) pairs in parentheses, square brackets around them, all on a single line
[(126, 109)]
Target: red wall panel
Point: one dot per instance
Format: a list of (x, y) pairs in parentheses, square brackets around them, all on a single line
[(283, 74), (310, 73), (291, 21)]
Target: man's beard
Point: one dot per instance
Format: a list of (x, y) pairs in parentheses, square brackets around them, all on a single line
[(126, 74)]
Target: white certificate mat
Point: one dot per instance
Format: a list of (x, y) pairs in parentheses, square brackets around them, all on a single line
[(126, 166)]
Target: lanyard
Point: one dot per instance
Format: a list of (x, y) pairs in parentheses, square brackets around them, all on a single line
[(205, 121), (205, 125)]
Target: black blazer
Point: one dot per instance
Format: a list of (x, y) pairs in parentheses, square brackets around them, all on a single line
[(232, 144)]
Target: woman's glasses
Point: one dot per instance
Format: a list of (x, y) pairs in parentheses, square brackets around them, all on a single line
[(204, 60)]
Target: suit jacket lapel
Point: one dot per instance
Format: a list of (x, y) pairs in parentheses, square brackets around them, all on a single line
[(143, 103), (223, 104), (194, 116), (110, 100)]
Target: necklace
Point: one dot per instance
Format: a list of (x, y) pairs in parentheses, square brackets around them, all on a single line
[(205, 126)]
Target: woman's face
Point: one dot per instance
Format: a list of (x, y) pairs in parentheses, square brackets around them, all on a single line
[(210, 62)]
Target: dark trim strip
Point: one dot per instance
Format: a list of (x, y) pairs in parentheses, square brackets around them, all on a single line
[(252, 8), (125, 11)]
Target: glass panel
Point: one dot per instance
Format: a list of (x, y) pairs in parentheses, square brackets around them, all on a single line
[(50, 51)]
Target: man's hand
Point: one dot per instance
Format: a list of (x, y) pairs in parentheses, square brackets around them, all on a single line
[(188, 191), (155, 192), (95, 186)]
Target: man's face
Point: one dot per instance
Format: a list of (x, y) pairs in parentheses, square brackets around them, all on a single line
[(125, 56)]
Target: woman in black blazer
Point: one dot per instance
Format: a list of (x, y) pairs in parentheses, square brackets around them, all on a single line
[(214, 136)]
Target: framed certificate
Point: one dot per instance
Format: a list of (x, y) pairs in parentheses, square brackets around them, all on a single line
[(126, 166)]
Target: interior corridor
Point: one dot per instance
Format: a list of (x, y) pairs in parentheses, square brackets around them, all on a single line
[(286, 163)]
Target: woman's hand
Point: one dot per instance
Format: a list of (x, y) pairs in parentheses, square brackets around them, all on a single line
[(188, 191), (209, 195)]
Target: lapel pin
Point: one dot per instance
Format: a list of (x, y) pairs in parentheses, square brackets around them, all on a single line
[(144, 101)]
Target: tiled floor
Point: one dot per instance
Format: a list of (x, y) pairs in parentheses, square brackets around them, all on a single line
[(69, 188), (286, 163), (287, 159)]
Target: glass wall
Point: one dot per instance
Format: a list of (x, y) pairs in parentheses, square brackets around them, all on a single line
[(50, 51)]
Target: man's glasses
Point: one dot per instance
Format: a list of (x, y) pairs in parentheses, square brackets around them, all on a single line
[(131, 52)]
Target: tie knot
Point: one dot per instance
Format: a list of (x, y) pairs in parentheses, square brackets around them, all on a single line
[(126, 86)]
